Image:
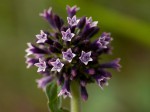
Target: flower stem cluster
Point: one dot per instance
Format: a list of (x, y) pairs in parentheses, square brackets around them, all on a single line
[(67, 53)]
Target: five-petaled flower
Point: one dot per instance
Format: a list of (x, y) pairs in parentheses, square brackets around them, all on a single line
[(41, 65), (68, 55), (41, 37), (57, 65), (85, 57), (90, 22), (104, 40), (73, 21), (67, 36)]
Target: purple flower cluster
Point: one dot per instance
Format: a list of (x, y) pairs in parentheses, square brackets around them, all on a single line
[(68, 53)]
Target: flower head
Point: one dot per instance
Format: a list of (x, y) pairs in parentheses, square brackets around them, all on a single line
[(67, 53)]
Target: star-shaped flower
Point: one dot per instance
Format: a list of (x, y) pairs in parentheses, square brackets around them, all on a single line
[(85, 57), (89, 21), (73, 21), (57, 65), (68, 55), (104, 40), (41, 37), (67, 36), (41, 65)]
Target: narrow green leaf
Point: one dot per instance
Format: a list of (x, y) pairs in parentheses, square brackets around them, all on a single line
[(53, 99)]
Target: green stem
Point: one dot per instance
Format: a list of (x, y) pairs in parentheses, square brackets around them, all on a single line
[(76, 98)]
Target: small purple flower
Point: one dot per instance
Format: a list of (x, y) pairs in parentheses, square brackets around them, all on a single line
[(102, 81), (104, 40), (73, 21), (90, 22), (85, 57), (28, 50), (44, 81), (68, 55), (65, 91), (72, 10), (41, 65), (31, 61), (67, 36), (113, 64), (46, 13), (42, 37), (57, 65)]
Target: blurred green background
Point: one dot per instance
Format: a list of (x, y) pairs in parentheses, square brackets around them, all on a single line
[(127, 20)]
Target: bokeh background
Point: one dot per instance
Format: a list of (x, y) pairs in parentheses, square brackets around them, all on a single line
[(127, 20)]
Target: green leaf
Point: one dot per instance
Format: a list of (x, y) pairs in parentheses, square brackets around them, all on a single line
[(53, 99)]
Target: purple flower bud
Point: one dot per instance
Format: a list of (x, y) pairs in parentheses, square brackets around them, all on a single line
[(68, 55), (31, 61), (113, 64), (58, 22), (44, 81), (84, 93), (85, 57), (41, 65), (74, 72), (28, 50), (65, 91), (41, 37), (73, 21), (32, 49), (72, 10), (82, 22), (67, 36), (48, 15), (91, 71), (57, 65), (104, 40)]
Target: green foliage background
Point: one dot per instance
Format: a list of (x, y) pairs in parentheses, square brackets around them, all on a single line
[(127, 20)]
